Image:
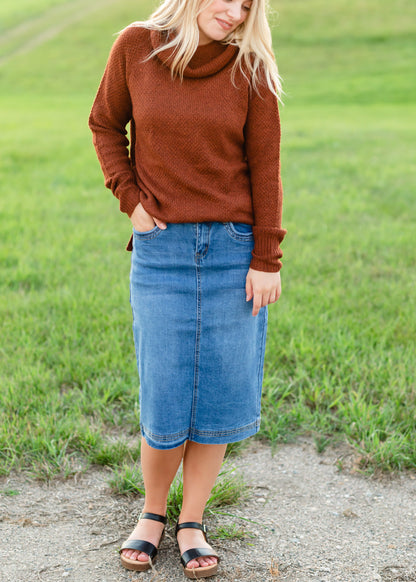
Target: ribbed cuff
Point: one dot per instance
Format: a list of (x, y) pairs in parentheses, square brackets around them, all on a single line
[(129, 200), (267, 252)]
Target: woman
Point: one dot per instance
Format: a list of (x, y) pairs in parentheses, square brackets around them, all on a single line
[(201, 184)]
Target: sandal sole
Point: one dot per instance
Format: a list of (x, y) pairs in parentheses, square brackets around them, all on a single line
[(201, 572), (135, 564)]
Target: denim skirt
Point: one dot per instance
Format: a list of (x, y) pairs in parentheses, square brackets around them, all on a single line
[(200, 351)]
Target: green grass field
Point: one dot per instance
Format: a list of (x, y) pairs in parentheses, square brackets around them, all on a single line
[(341, 355)]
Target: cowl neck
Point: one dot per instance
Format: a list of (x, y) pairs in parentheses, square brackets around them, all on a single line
[(207, 60)]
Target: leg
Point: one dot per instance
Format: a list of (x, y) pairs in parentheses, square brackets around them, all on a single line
[(159, 468), (201, 465)]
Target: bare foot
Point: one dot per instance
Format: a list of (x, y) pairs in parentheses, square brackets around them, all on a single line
[(147, 530), (193, 538)]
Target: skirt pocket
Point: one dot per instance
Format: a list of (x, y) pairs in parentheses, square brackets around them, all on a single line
[(148, 234), (239, 231)]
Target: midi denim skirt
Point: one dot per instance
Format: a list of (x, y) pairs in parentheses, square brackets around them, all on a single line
[(200, 351)]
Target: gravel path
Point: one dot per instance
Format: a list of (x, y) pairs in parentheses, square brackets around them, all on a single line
[(312, 523)]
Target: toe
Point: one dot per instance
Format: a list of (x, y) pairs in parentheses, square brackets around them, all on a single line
[(135, 555), (193, 564)]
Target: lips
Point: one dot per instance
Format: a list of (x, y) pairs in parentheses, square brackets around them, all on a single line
[(225, 25)]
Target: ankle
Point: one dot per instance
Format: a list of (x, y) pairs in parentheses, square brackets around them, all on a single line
[(185, 517), (157, 508)]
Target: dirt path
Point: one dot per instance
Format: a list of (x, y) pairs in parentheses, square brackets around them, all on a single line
[(30, 34), (313, 523)]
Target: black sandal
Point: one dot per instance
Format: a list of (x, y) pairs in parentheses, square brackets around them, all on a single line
[(201, 571), (142, 546)]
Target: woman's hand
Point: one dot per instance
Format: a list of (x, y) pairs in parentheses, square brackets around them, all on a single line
[(142, 221), (263, 288)]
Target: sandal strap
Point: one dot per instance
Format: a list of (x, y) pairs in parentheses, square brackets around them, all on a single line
[(192, 525), (154, 517), (197, 553), (140, 546)]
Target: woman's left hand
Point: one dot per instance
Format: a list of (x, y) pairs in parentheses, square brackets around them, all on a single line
[(263, 288)]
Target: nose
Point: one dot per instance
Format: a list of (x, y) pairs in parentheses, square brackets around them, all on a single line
[(234, 10)]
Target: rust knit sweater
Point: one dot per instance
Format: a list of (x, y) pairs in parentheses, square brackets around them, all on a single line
[(200, 150)]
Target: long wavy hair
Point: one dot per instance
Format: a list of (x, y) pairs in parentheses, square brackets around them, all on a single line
[(177, 19)]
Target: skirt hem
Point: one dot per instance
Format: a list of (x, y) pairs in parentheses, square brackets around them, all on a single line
[(206, 437)]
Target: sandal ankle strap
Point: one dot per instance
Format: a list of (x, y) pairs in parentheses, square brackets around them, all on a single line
[(192, 525), (154, 516)]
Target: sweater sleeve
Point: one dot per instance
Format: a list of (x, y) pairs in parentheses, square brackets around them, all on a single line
[(262, 137), (110, 114)]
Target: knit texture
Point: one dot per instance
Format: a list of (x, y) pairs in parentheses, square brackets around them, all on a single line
[(203, 149)]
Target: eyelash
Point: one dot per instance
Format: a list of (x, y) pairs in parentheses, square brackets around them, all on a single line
[(246, 8)]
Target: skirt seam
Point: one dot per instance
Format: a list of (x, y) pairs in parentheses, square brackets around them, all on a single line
[(261, 359), (164, 438), (228, 432), (197, 345), (202, 433)]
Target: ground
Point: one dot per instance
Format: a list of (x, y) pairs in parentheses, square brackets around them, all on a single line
[(309, 522)]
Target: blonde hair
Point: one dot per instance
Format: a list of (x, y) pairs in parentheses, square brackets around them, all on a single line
[(255, 57)]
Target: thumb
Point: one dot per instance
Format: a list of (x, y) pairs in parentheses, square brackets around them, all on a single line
[(162, 225)]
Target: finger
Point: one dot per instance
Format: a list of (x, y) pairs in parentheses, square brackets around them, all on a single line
[(257, 303), (249, 289), (162, 225), (273, 297)]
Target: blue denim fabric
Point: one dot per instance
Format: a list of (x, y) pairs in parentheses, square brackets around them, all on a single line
[(200, 352)]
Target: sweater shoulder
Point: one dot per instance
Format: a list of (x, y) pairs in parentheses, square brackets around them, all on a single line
[(133, 40), (135, 33)]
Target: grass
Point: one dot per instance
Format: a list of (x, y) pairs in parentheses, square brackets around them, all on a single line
[(127, 479), (13, 14), (340, 357), (341, 360), (9, 492), (227, 491), (231, 532)]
